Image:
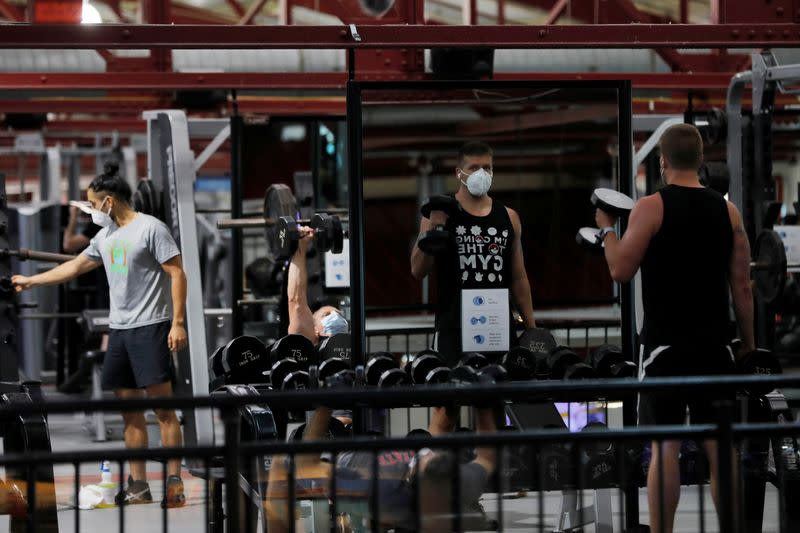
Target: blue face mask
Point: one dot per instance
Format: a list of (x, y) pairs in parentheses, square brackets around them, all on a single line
[(333, 324)]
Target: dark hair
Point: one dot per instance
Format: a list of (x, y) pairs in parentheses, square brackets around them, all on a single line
[(682, 147), (439, 469), (473, 148), (110, 182)]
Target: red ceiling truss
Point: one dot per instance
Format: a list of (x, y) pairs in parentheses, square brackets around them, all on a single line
[(389, 47)]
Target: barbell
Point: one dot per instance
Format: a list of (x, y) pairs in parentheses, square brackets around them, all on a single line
[(24, 254)]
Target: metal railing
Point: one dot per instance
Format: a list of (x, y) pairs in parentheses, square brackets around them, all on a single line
[(245, 508)]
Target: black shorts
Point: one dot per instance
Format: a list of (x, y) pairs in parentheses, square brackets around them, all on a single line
[(137, 357), (669, 407)]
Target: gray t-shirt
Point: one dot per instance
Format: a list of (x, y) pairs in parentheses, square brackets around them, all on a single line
[(132, 255)]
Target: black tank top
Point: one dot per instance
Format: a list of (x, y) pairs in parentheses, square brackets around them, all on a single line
[(685, 271), (482, 260)]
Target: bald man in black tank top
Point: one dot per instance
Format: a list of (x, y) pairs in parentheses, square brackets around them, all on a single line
[(692, 248), (489, 254)]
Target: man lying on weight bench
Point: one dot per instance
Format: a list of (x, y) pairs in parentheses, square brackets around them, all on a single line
[(403, 476), (325, 321)]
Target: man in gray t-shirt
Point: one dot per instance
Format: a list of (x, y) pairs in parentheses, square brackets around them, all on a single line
[(147, 293)]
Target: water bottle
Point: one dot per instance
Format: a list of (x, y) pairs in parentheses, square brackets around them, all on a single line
[(107, 485)]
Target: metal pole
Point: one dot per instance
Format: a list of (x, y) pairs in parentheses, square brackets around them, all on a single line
[(356, 202), (237, 261), (628, 322), (230, 417)]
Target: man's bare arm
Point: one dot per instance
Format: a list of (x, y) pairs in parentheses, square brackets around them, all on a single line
[(739, 279), (301, 321), (520, 284), (421, 263), (624, 256)]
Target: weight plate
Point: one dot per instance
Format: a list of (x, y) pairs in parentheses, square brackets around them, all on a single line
[(612, 202), (770, 275), (587, 237), (245, 360), (137, 201), (295, 347), (149, 197), (279, 201), (337, 235), (320, 223), (339, 346), (287, 238)]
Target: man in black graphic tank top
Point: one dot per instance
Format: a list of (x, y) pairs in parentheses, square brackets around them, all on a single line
[(692, 248), (488, 255)]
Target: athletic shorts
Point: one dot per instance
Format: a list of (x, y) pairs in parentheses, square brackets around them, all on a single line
[(669, 407), (137, 357)]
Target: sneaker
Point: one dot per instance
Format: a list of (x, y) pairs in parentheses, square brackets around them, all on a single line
[(173, 494), (137, 492)]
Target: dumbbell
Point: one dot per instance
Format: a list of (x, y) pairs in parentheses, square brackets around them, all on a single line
[(541, 342), (243, 360), (555, 462), (438, 240), (330, 238), (520, 362), (328, 233), (473, 368), (292, 356), (759, 362), (427, 367), (563, 363), (612, 202), (609, 362), (335, 365), (599, 459), (382, 370)]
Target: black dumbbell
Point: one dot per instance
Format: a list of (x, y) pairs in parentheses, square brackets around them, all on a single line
[(438, 240), (288, 374), (520, 362), (599, 459), (427, 367), (759, 362), (609, 362), (468, 375), (612, 202), (328, 233), (242, 360), (473, 359), (295, 347), (566, 364), (555, 463), (382, 370), (292, 356), (339, 346)]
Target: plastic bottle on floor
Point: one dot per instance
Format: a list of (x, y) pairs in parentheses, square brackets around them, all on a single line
[(107, 485)]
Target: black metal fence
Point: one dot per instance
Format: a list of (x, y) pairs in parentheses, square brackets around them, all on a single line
[(533, 465)]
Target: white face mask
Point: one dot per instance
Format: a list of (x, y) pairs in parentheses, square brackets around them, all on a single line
[(100, 218), (478, 183)]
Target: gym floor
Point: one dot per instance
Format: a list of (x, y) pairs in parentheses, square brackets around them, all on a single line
[(519, 513)]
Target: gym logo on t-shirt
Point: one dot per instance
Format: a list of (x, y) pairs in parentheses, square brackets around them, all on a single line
[(481, 255), (118, 251)]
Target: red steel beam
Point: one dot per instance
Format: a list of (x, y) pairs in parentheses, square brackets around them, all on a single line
[(403, 36), (127, 81), (555, 12), (11, 13), (254, 9)]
